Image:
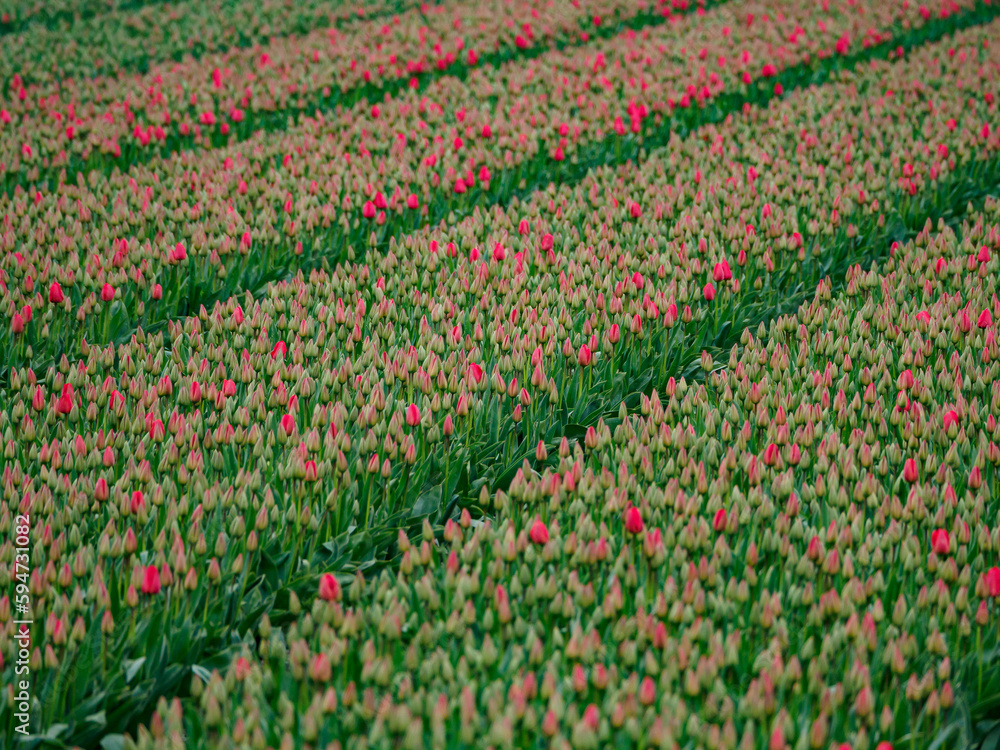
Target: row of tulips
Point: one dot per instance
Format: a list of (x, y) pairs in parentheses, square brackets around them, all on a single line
[(186, 482), (134, 37), (64, 117), (16, 15), (799, 552), (153, 255)]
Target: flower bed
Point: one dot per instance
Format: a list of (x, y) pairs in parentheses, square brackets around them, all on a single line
[(526, 386)]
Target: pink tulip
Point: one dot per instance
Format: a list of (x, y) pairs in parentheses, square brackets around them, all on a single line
[(412, 415)]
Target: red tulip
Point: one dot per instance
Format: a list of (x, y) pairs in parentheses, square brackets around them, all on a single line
[(993, 581), (584, 357), (288, 424), (329, 588), (910, 471), (157, 430), (151, 580), (321, 670), (476, 372), (985, 319), (279, 348), (635, 210), (157, 292), (65, 403), (719, 522), (412, 415), (178, 253), (940, 542), (412, 202), (56, 293), (771, 454), (950, 418), (539, 533), (17, 324), (709, 292), (633, 520)]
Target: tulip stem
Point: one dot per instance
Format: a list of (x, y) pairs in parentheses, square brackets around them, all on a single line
[(406, 480), (243, 585), (663, 359), (979, 653)]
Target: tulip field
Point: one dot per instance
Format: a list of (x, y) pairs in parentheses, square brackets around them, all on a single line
[(500, 374)]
